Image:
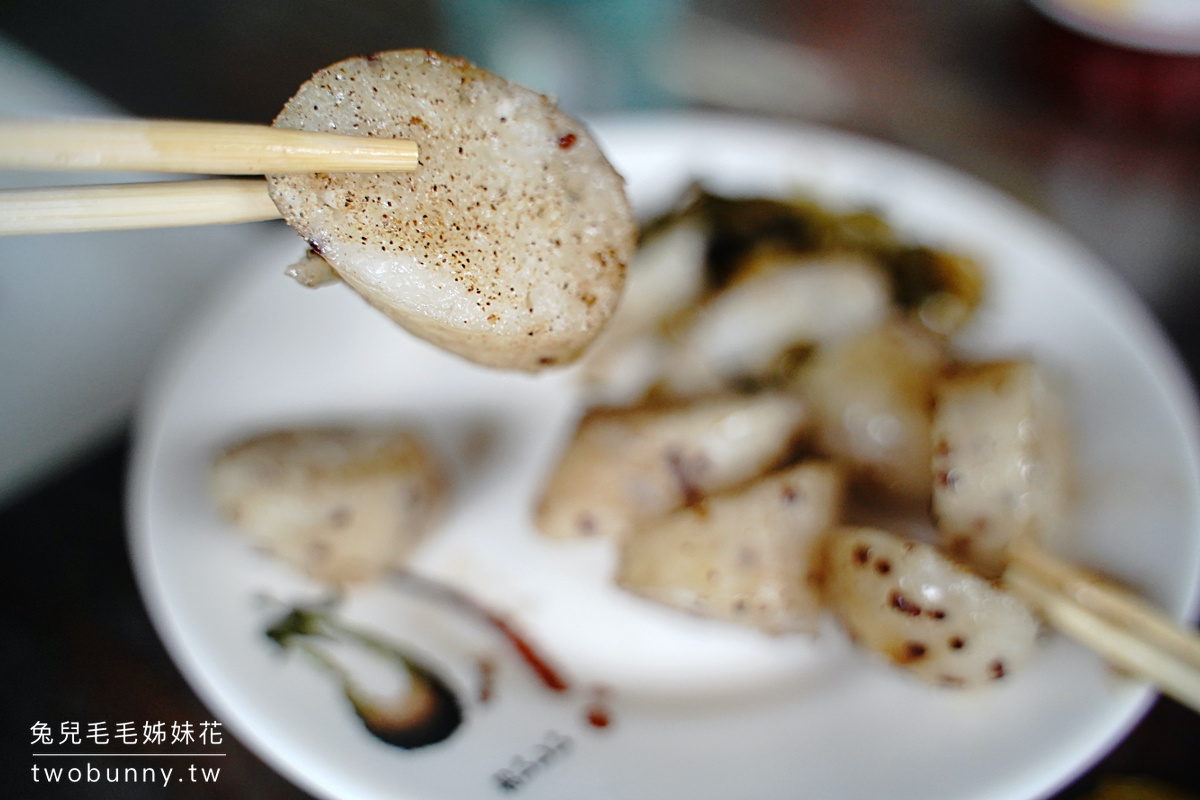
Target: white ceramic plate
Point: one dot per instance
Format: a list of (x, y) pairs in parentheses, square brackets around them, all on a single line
[(698, 710)]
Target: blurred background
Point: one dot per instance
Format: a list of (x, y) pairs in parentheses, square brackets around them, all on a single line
[(1086, 110)]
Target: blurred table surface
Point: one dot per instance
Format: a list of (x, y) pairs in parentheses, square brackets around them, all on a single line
[(953, 80)]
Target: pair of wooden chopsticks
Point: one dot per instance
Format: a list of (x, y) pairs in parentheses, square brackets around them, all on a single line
[(199, 148), (1127, 631)]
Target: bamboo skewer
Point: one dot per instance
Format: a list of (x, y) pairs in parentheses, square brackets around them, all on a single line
[(162, 204), (1122, 628), (201, 148)]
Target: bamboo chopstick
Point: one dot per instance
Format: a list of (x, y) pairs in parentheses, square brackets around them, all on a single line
[(1107, 600), (204, 148), (125, 206), (1122, 628)]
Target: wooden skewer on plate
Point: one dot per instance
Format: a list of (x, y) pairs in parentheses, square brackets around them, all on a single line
[(202, 148), (1126, 630)]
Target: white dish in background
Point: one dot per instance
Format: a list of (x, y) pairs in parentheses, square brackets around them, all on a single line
[(699, 710)]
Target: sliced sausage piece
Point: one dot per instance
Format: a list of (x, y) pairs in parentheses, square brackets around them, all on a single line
[(1001, 462), (507, 245), (747, 556), (907, 602), (342, 505), (627, 466)]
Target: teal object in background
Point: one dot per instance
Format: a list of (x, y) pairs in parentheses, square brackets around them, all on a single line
[(592, 55)]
